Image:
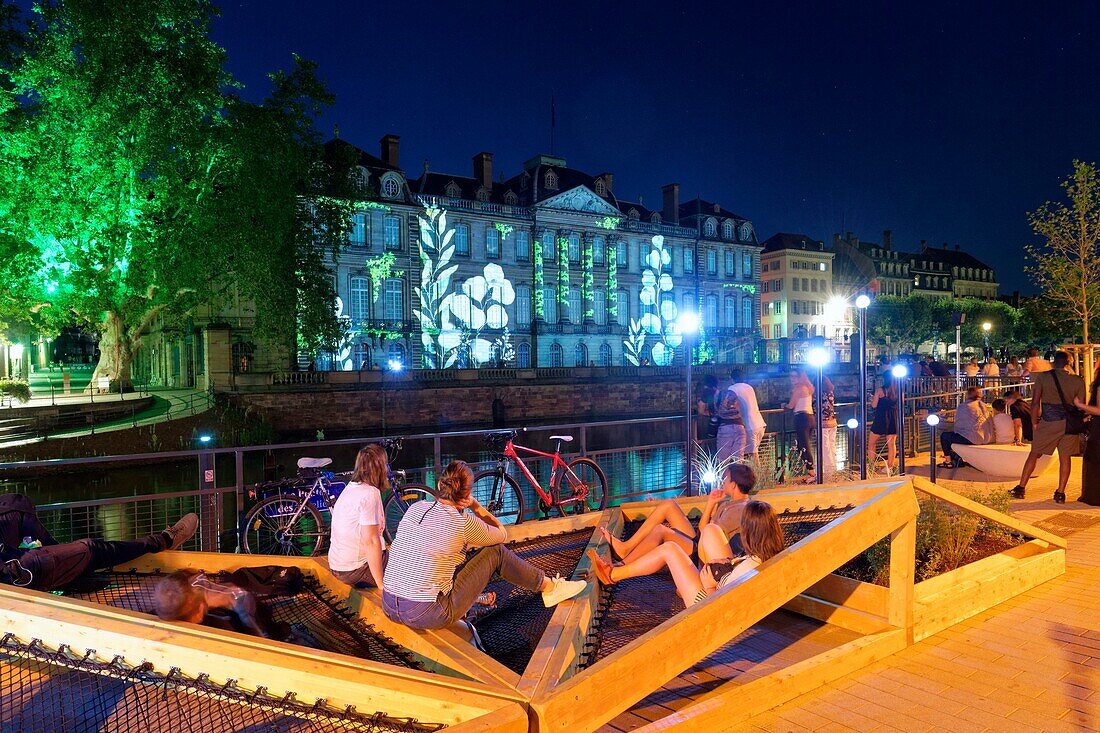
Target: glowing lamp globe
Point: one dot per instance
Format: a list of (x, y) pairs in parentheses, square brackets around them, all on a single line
[(900, 371), (688, 322), (17, 351), (863, 301), (933, 419), (853, 423), (818, 357), (395, 365)]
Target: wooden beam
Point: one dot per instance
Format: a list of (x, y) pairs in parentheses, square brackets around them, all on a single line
[(544, 527), (1005, 520), (251, 661), (510, 719), (837, 614), (734, 702), (903, 549), (599, 693)]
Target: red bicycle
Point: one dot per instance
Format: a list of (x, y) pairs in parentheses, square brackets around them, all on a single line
[(579, 484)]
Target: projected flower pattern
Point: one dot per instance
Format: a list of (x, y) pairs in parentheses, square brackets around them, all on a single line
[(657, 325)]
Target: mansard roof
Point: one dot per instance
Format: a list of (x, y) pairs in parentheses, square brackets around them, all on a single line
[(337, 146), (702, 209), (436, 184), (785, 240)]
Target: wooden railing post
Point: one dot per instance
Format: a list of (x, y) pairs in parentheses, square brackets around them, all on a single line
[(903, 550)]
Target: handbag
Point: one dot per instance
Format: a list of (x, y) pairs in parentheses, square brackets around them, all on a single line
[(1077, 422)]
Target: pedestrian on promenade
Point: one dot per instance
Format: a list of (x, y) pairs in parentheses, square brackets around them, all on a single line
[(1090, 471), (750, 411), (884, 403), (732, 437), (1035, 364), (1055, 393), (705, 427), (802, 404)]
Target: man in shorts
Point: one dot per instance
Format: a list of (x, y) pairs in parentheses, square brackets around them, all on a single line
[(1054, 392)]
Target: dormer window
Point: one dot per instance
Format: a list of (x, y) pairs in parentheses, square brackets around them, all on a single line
[(359, 178), (746, 232), (391, 186), (600, 189), (717, 208), (550, 181), (511, 199), (633, 214), (727, 230), (655, 218), (453, 191), (483, 194), (710, 228)]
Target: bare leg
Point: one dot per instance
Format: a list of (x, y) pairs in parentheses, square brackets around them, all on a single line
[(713, 544), (684, 573), (1063, 470), (872, 451), (659, 536), (891, 451), (1029, 468), (667, 511)]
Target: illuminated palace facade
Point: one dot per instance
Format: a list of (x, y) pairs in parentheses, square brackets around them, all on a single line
[(546, 268)]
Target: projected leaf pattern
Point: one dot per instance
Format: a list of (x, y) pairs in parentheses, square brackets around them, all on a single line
[(657, 324)]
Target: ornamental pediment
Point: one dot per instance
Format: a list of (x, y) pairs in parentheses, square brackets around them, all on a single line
[(579, 199)]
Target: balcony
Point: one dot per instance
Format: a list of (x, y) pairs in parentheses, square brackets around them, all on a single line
[(483, 207)]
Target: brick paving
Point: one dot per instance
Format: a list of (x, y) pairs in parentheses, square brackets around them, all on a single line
[(1029, 664)]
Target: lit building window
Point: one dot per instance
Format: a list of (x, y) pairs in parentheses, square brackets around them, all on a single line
[(709, 228), (549, 252), (597, 251), (360, 299), (391, 188), (492, 243), (523, 355), (394, 303), (574, 248), (523, 305), (580, 355), (523, 247), (557, 355), (462, 240), (391, 227), (550, 181), (358, 234), (727, 230), (605, 355)]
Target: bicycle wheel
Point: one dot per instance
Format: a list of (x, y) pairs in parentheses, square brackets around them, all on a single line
[(503, 502), (270, 528), (583, 476), (399, 501)]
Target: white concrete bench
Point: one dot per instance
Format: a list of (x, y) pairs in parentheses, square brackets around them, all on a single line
[(1001, 460)]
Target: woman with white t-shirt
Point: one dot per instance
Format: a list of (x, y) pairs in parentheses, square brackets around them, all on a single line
[(357, 548)]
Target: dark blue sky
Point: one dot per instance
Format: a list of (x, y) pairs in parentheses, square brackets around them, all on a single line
[(940, 122)]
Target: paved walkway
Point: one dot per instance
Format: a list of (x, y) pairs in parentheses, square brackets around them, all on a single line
[(1029, 664)]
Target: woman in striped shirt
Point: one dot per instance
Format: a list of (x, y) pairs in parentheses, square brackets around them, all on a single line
[(761, 537), (429, 583)]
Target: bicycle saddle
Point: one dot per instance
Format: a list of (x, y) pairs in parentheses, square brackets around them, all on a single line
[(313, 462), (562, 438)]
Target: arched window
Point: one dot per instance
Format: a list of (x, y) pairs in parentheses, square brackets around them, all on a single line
[(727, 229), (395, 353), (605, 355), (600, 189), (523, 355), (453, 191), (510, 198), (523, 305), (550, 181), (361, 356), (632, 214), (483, 194), (599, 306), (360, 299), (655, 218), (576, 312), (622, 308), (557, 355), (746, 232), (730, 307), (550, 304), (747, 321), (462, 240), (580, 355), (710, 228), (710, 311)]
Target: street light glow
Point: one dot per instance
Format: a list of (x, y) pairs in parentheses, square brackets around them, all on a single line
[(818, 356), (395, 365), (862, 301), (205, 438), (900, 371), (853, 423), (933, 419), (986, 326), (17, 351), (688, 322)]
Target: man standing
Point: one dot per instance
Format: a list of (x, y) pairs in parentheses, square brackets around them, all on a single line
[(1035, 364), (1055, 390), (750, 411), (971, 427)]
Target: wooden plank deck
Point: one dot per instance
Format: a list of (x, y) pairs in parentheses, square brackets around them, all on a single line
[(781, 639)]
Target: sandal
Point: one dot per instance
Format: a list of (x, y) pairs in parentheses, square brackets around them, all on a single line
[(610, 545), (601, 568)]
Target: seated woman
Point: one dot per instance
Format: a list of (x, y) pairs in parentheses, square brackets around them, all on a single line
[(761, 536), (723, 508), (357, 549), (429, 583)]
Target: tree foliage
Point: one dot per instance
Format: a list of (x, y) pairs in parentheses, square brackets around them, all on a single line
[(910, 322), (135, 182), (1066, 264)]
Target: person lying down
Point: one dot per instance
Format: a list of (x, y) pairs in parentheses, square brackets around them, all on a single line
[(761, 538)]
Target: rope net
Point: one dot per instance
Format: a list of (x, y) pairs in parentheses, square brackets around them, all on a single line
[(56, 690), (634, 606), (511, 631)]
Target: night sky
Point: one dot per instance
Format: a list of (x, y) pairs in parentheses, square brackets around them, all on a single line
[(943, 124)]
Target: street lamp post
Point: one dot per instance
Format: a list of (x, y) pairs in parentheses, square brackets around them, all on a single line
[(818, 357), (862, 302), (689, 326), (986, 327), (853, 441), (933, 420), (959, 319), (900, 372)]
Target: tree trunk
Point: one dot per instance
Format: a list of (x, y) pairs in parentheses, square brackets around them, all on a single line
[(116, 355)]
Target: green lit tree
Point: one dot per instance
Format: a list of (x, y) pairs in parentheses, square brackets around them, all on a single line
[(136, 184), (1066, 264)]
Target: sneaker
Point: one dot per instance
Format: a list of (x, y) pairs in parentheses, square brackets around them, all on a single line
[(1018, 492), (561, 590), (182, 530)]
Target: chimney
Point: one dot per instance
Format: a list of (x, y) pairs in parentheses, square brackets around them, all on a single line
[(887, 239), (608, 181), (671, 212), (483, 169), (388, 144), (848, 236), (956, 246), (836, 239), (923, 246)]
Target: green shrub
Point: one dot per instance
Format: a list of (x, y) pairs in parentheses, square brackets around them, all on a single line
[(15, 389)]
